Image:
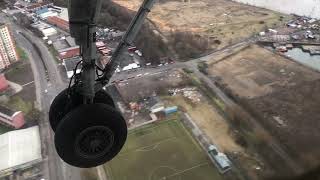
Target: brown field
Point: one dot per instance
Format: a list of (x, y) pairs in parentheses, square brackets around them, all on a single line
[(204, 114), (281, 94), (255, 72), (222, 20), (209, 121)]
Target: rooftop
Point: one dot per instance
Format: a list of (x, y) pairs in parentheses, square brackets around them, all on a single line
[(19, 148), (60, 44), (71, 63), (6, 111), (59, 22), (41, 11), (71, 41), (69, 53)]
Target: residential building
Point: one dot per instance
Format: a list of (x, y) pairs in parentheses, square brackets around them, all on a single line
[(8, 52)]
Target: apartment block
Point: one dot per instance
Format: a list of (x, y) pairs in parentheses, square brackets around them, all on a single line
[(8, 54)]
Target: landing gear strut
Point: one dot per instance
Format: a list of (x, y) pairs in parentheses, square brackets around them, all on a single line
[(89, 130)]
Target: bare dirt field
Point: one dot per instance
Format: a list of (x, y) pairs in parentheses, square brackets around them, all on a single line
[(203, 113), (281, 94), (256, 72), (209, 121), (225, 21)]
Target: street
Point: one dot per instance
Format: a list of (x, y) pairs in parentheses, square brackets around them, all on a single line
[(48, 85)]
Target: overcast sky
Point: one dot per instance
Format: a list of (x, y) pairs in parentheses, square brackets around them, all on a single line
[(301, 7)]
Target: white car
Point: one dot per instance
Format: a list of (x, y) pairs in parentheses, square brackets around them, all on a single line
[(138, 53)]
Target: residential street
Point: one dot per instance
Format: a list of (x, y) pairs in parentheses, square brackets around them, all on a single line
[(54, 167)]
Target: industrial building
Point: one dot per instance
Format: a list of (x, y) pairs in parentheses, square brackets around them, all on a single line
[(45, 29), (38, 6), (70, 65), (8, 52), (45, 13), (20, 149), (14, 119), (69, 53), (58, 22), (49, 32)]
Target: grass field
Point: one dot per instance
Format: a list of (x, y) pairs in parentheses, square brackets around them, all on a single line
[(162, 151)]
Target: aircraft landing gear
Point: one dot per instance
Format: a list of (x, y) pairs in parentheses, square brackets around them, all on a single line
[(90, 135), (89, 131), (68, 100)]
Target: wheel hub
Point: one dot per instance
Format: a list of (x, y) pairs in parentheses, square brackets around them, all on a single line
[(94, 142)]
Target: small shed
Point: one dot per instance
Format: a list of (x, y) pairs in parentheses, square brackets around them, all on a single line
[(220, 160), (170, 110)]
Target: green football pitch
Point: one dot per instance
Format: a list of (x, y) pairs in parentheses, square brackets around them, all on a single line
[(162, 151)]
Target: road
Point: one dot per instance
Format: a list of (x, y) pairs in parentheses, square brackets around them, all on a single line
[(49, 83)]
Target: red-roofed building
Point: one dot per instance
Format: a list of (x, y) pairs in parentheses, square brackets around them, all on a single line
[(100, 44), (3, 83), (60, 23), (11, 118), (102, 48), (75, 51), (69, 53)]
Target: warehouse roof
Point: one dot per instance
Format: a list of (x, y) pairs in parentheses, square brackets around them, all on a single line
[(59, 22), (69, 53), (44, 10), (70, 40), (21, 147), (70, 64)]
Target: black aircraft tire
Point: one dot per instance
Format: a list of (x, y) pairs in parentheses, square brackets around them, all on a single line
[(64, 103), (90, 135)]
